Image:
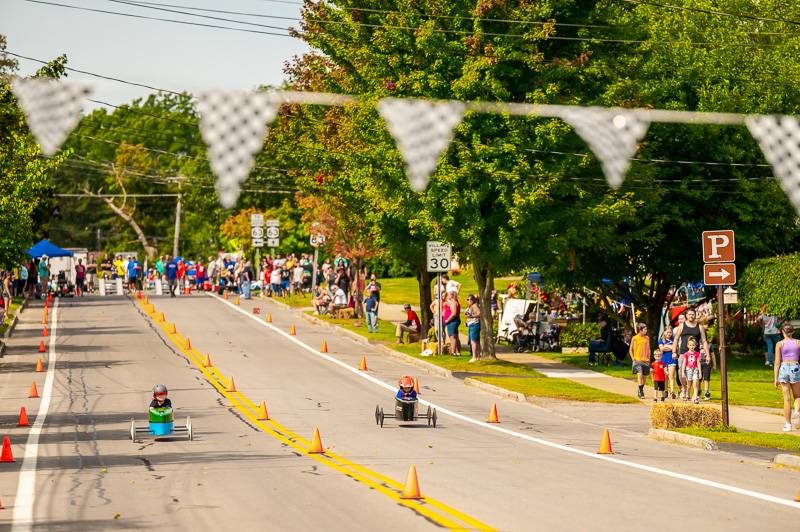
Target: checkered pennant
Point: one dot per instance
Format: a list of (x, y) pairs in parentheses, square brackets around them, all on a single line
[(233, 125), (52, 108), (422, 130), (779, 138), (612, 134)]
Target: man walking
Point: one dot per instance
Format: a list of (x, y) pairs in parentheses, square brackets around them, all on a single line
[(172, 275)]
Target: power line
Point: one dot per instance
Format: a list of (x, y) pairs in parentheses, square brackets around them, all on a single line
[(711, 12), (660, 161)]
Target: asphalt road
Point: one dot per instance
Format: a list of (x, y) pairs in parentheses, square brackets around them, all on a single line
[(246, 474)]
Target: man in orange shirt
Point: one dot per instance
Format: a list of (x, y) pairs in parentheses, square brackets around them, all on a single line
[(640, 355)]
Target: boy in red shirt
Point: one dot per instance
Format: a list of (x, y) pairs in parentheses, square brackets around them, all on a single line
[(659, 377)]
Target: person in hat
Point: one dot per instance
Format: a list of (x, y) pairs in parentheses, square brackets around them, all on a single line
[(412, 324), (406, 390), (160, 399)]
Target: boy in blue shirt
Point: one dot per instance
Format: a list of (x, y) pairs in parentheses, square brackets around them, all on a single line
[(406, 391), (371, 306)]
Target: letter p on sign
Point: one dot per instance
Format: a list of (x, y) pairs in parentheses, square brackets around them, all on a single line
[(718, 246)]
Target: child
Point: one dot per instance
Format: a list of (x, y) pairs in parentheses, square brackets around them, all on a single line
[(659, 377), (692, 370), (406, 391), (640, 355), (371, 306), (708, 362), (668, 358), (160, 399)]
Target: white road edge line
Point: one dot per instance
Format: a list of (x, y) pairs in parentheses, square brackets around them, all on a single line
[(540, 441), (22, 519)]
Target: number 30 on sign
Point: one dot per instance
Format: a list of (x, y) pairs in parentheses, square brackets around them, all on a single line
[(439, 257)]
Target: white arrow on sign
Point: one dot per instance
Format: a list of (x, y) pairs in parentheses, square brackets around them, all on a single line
[(721, 275)]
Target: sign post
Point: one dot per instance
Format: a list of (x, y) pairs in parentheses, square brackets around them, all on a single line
[(719, 268), (273, 235), (257, 234), (316, 241), (439, 259)]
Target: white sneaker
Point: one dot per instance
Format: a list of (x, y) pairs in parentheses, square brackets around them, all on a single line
[(787, 427)]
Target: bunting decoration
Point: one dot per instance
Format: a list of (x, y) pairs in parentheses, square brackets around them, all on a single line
[(52, 108), (422, 129), (612, 134), (234, 125), (779, 138)]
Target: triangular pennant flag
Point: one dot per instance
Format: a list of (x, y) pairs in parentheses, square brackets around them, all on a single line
[(52, 108), (233, 125), (612, 134), (422, 130), (779, 138)]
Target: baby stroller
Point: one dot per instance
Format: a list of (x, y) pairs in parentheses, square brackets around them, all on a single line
[(525, 336)]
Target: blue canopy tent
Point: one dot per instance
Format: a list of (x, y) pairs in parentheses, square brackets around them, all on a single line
[(44, 247)]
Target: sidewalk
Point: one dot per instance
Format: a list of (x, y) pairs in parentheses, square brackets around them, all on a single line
[(744, 418)]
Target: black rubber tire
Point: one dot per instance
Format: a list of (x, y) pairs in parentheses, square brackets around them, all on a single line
[(433, 418)]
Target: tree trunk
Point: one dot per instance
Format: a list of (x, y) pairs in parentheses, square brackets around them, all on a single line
[(358, 304), (484, 276), (425, 315), (148, 249)]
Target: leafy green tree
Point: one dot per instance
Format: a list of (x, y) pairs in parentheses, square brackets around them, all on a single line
[(771, 282)]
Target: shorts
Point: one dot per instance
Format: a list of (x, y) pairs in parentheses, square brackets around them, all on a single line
[(692, 374), (79, 283), (705, 372), (789, 373), (452, 328), (659, 386), (641, 367), (474, 332)]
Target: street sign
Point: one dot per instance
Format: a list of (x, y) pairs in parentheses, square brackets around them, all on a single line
[(317, 240), (730, 296), (439, 257), (719, 246), (273, 242), (273, 223), (719, 274), (273, 232), (257, 220), (257, 232), (258, 242)]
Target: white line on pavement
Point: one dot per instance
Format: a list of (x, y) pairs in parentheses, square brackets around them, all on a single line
[(26, 490), (540, 441)]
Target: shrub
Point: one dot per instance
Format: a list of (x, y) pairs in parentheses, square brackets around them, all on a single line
[(579, 334), (674, 416), (764, 282)]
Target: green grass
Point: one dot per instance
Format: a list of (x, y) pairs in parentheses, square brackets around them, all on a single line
[(557, 389), (749, 381), (295, 300), (786, 442), (13, 308), (403, 290)]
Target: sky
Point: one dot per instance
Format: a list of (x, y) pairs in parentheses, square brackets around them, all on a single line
[(160, 54)]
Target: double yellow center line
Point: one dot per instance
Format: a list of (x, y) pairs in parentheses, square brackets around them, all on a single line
[(432, 509)]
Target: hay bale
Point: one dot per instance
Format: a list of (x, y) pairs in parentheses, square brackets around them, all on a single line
[(677, 415)]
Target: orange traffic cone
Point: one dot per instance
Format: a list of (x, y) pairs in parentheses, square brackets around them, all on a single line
[(269, 318), (236, 301), (316, 443), (493, 417), (161, 317), (363, 365), (44, 318), (188, 344), (6, 455), (416, 385), (146, 301), (39, 367), (225, 296), (44, 331), (23, 418), (292, 331), (411, 489), (605, 444), (231, 385), (173, 329), (138, 294), (797, 497), (263, 415), (41, 346), (324, 347), (207, 362), (33, 393)]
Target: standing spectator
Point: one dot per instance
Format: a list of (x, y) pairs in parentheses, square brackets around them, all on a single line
[(91, 273), (32, 278), (450, 285), (247, 278), (80, 277), (473, 315), (181, 276), (772, 334), (669, 358), (133, 268), (22, 283), (297, 278), (211, 270), (375, 287), (689, 328), (410, 326), (275, 281), (160, 267), (326, 267), (787, 376), (7, 290), (343, 279), (200, 275), (659, 377), (119, 271), (105, 266), (171, 267), (452, 319), (708, 363), (44, 276), (640, 355), (371, 307), (692, 370)]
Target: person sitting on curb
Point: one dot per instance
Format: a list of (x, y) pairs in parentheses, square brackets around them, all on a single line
[(410, 326)]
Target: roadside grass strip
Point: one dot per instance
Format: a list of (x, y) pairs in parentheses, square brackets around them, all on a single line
[(786, 442), (432, 509), (657, 471)]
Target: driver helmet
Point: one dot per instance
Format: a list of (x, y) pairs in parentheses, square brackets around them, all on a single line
[(406, 383), (160, 391)]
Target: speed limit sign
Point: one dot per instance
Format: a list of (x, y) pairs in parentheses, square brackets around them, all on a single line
[(439, 257)]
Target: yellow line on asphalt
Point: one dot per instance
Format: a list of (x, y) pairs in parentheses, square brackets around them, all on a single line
[(378, 482)]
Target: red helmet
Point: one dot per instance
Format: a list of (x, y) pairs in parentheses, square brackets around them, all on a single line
[(406, 382)]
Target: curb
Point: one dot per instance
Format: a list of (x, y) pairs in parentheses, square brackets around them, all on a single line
[(495, 390), (788, 460), (11, 327), (683, 439)]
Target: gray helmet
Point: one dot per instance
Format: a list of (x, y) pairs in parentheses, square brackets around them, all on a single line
[(159, 389)]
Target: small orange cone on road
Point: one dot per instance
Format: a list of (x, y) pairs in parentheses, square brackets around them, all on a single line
[(138, 294), (41, 346), (797, 497), (236, 301), (231, 385), (363, 365), (269, 318), (44, 331), (39, 367), (225, 296), (411, 489), (188, 344), (292, 331), (207, 362), (263, 415), (162, 317), (173, 329), (493, 417), (605, 444), (23, 418), (44, 318), (416, 385), (316, 443), (6, 455), (33, 393), (324, 347)]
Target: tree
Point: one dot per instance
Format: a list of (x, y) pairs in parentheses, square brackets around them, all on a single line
[(771, 282)]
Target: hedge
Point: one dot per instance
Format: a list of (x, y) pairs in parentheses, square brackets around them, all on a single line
[(579, 334)]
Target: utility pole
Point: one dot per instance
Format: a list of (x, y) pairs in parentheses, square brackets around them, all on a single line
[(177, 238)]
